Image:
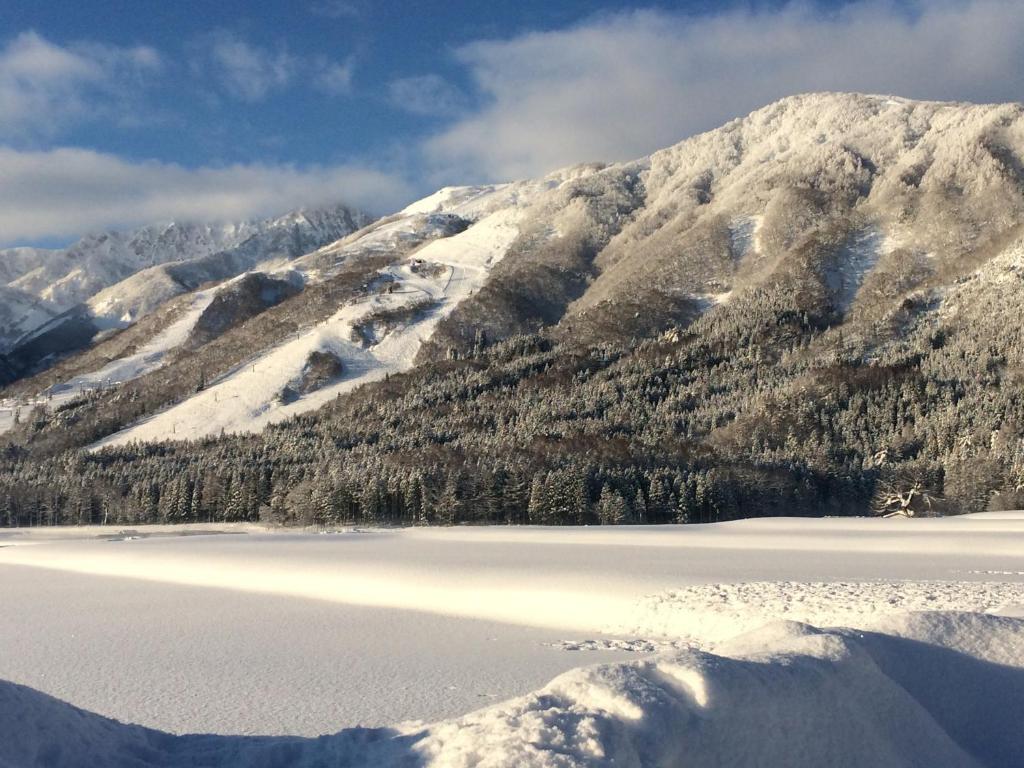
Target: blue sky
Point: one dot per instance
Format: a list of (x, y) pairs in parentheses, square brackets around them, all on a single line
[(193, 112), (119, 113)]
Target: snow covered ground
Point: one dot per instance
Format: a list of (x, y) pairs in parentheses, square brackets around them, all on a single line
[(299, 633), (194, 659), (9, 407)]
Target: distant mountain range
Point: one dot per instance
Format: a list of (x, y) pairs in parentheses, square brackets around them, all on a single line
[(828, 289), (111, 280)]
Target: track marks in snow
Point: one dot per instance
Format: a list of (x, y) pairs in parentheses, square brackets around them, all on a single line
[(714, 612)]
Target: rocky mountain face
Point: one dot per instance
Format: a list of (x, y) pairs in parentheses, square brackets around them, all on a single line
[(809, 305)]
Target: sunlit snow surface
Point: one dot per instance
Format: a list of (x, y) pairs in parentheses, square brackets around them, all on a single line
[(348, 633), (150, 357)]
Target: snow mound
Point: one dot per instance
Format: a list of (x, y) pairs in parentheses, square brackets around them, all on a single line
[(936, 689), (789, 694)]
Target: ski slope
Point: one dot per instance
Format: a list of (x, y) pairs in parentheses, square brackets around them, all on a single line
[(247, 399), (375, 632), (147, 359)]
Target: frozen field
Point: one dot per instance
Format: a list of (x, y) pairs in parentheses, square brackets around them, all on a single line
[(303, 634)]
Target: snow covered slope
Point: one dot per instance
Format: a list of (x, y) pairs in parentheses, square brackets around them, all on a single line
[(818, 194), (148, 358), (376, 334), (21, 313)]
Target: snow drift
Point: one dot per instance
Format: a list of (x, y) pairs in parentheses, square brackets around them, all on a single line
[(935, 688)]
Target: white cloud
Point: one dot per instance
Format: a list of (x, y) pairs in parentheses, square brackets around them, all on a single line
[(245, 71), (250, 72), (44, 85), (334, 78), (621, 86), (66, 192), (426, 95)]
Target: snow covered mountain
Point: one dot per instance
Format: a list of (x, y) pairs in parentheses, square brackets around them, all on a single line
[(283, 238), (836, 192), (843, 209), (122, 276), (15, 262), (99, 260), (20, 312)]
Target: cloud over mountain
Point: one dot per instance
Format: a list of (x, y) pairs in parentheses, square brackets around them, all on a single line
[(66, 191), (619, 86)]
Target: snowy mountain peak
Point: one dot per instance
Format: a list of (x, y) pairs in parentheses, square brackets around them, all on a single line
[(99, 260)]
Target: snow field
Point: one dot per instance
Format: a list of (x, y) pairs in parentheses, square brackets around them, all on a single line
[(936, 689), (752, 663), (704, 613), (196, 659), (695, 583)]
